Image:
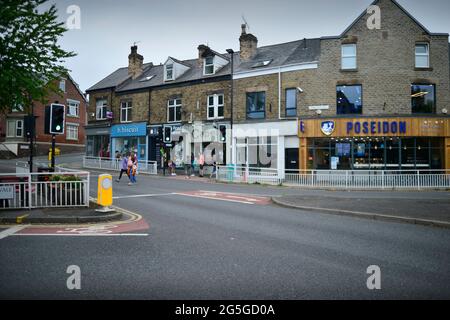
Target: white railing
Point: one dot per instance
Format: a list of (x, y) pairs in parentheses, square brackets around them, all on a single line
[(44, 190), (338, 179), (147, 167)]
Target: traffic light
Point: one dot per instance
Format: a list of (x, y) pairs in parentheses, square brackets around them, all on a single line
[(30, 124), (223, 132), (57, 117), (160, 134), (167, 134)]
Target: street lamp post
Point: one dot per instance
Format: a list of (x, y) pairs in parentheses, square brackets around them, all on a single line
[(231, 52)]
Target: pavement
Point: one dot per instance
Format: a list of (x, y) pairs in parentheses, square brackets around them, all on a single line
[(413, 209), (57, 215)]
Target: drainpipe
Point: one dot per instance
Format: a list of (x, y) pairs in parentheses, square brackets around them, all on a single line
[(279, 93)]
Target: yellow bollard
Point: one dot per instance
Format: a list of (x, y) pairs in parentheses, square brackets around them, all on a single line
[(104, 192)]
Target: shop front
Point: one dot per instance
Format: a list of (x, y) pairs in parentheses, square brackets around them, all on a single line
[(98, 141), (416, 143), (130, 137), (271, 145)]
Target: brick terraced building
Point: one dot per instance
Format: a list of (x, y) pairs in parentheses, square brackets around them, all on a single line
[(366, 99)]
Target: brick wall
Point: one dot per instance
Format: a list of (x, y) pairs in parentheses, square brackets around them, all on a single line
[(194, 100), (385, 68), (39, 110), (385, 64)]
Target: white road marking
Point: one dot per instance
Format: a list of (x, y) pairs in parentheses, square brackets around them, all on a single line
[(11, 231), (143, 195), (211, 198), (245, 194), (84, 234)]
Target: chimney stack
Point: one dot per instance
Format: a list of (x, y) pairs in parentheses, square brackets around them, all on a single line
[(135, 63), (202, 50), (248, 44)]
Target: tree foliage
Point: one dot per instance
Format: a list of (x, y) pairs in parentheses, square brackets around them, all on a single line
[(30, 56)]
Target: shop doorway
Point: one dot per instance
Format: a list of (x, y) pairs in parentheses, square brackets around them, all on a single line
[(291, 159)]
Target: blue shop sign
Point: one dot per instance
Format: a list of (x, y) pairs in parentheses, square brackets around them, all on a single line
[(376, 127), (129, 130)]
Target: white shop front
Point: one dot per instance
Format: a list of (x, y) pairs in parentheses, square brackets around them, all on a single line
[(266, 145)]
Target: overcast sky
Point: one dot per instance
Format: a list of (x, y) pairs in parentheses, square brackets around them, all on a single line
[(177, 27)]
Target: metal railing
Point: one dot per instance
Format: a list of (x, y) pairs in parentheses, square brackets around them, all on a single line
[(44, 190), (338, 179), (147, 167)]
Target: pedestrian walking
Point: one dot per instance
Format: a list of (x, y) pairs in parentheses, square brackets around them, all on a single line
[(192, 165), (201, 163), (214, 170), (123, 167), (132, 169), (135, 168)]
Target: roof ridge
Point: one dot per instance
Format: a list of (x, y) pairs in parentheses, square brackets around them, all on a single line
[(288, 42)]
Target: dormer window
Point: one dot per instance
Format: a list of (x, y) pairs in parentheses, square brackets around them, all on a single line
[(169, 72), (209, 65)]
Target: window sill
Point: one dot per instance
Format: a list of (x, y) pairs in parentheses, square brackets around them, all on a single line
[(349, 70), (72, 116), (423, 69)]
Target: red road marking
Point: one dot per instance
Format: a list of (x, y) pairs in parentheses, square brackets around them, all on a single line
[(225, 196), (111, 228)]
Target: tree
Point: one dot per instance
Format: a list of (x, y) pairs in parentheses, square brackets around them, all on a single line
[(30, 57)]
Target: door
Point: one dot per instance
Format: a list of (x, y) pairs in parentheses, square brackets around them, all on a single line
[(291, 159)]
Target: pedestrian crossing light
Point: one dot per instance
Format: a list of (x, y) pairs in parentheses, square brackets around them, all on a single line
[(223, 132), (167, 134), (57, 117)]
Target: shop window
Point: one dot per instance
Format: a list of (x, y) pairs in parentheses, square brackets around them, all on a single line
[(174, 110), (258, 152), (342, 155), (361, 154), (319, 153), (349, 99), (392, 153), (256, 105), (408, 153), (291, 102), (377, 153), (422, 153), (437, 153), (423, 98)]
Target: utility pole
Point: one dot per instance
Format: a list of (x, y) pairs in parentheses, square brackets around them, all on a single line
[(31, 133), (231, 52)]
